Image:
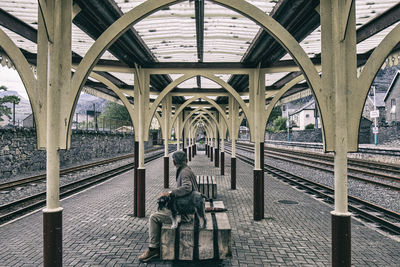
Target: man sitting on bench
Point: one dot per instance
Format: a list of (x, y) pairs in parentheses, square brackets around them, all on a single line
[(186, 183)]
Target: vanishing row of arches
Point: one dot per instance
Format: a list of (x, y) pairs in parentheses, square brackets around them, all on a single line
[(339, 93)]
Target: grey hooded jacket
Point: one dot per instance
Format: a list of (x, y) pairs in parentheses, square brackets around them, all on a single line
[(185, 182)]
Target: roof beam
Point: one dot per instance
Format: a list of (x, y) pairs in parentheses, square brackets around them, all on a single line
[(18, 26), (379, 23), (199, 14)]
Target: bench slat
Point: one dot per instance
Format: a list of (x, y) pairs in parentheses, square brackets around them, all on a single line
[(207, 185), (206, 243)]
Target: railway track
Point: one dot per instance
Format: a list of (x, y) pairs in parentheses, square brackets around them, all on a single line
[(15, 209), (378, 171), (35, 178), (385, 219), (376, 150)]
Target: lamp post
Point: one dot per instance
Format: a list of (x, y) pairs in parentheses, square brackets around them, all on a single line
[(375, 115)]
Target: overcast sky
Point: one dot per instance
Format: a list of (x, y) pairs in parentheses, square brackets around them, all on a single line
[(10, 78)]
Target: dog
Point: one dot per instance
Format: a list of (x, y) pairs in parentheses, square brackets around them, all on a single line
[(189, 204)]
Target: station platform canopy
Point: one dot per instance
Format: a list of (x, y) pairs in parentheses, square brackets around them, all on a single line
[(201, 34)]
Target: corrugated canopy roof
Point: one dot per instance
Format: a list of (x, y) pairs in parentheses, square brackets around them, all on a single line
[(172, 34)]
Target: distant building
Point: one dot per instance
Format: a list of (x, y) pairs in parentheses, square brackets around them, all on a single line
[(244, 133), (392, 100), (125, 129), (28, 122), (379, 105), (364, 135), (304, 116)]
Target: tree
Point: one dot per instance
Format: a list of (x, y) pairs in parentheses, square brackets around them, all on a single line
[(309, 126), (275, 113), (4, 110), (117, 112), (279, 125)]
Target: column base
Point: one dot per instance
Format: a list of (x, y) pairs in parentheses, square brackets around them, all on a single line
[(211, 153), (52, 237), (216, 162), (258, 200), (190, 153), (141, 194), (135, 179), (222, 163), (341, 240), (233, 173), (166, 172)]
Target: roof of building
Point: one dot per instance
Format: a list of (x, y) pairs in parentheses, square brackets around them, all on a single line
[(395, 82), (308, 106)]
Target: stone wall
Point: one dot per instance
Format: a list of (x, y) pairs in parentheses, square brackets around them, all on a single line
[(19, 156), (389, 134), (309, 136)]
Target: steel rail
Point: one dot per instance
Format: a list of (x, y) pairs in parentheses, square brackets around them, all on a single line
[(39, 200), (362, 208), (290, 156), (64, 171)]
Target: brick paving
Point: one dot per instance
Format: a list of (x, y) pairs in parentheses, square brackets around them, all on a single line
[(98, 229)]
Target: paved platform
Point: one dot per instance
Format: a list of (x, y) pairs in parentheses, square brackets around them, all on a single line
[(98, 229)]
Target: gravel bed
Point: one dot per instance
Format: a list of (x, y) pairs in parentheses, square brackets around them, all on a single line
[(7, 196), (378, 195)]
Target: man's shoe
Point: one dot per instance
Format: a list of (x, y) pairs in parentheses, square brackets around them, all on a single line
[(149, 254)]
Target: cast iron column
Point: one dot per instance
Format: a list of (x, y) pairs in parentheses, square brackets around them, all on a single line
[(222, 163), (216, 163), (135, 181), (166, 172), (262, 176), (211, 153)]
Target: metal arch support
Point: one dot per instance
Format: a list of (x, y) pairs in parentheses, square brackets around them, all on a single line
[(36, 97), (253, 13), (118, 92), (166, 116), (368, 74), (280, 34), (185, 77), (117, 29), (195, 97), (278, 96), (209, 123), (159, 119), (204, 110)]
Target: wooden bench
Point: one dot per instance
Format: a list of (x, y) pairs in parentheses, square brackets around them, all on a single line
[(191, 243), (207, 185)]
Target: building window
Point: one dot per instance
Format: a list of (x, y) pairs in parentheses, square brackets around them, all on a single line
[(307, 115), (393, 105)]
